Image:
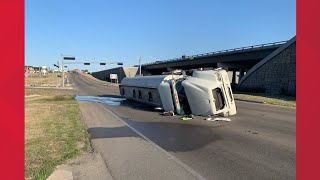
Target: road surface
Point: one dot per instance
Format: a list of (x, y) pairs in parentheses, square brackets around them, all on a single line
[(259, 142)]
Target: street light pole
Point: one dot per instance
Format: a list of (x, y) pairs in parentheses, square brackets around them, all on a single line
[(62, 68), (140, 66)]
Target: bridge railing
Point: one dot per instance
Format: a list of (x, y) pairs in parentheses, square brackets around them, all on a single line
[(219, 52)]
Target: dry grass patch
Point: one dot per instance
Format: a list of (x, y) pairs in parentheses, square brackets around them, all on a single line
[(269, 99), (36, 79), (54, 130)]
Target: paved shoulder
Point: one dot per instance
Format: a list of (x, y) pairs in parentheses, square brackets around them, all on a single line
[(126, 153), (90, 166)]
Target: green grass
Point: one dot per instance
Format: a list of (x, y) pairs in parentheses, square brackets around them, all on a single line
[(54, 131), (269, 99)]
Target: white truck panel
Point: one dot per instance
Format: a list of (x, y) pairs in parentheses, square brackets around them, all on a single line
[(208, 93), (166, 97), (147, 81)]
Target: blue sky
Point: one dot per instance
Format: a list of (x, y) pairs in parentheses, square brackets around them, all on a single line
[(124, 30)]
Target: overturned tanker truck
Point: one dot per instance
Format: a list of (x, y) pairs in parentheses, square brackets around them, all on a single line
[(204, 92)]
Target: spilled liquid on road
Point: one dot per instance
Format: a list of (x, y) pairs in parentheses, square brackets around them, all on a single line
[(112, 101)]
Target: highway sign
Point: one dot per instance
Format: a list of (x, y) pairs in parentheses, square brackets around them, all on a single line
[(69, 58), (113, 76)]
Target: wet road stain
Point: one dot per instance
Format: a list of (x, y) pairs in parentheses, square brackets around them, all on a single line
[(111, 132), (176, 137), (112, 101), (171, 136)]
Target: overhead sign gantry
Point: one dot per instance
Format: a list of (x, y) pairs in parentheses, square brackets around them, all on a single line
[(69, 59)]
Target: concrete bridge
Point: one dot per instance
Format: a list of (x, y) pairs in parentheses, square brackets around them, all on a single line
[(238, 59), (269, 68), (260, 68)]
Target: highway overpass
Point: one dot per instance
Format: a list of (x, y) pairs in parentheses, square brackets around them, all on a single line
[(269, 68), (244, 57)]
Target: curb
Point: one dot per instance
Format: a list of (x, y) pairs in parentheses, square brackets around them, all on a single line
[(252, 101), (61, 174), (261, 102), (46, 87)]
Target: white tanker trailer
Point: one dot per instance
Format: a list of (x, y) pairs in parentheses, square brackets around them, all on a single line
[(206, 92)]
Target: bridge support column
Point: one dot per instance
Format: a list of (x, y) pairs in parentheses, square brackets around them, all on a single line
[(241, 74), (234, 76)]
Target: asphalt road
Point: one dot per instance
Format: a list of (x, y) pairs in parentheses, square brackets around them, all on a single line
[(259, 142)]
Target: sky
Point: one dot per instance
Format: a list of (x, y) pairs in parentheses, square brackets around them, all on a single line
[(153, 30)]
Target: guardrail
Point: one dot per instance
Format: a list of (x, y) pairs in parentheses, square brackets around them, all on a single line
[(218, 52)]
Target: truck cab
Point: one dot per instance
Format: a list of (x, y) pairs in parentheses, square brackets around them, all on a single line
[(209, 93)]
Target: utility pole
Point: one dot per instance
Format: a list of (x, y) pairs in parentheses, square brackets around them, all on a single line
[(140, 66), (62, 68)]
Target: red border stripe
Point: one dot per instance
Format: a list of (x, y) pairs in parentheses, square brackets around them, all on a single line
[(12, 89), (308, 62)]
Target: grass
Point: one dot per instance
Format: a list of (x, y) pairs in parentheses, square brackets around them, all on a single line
[(54, 131), (50, 79), (269, 99)]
